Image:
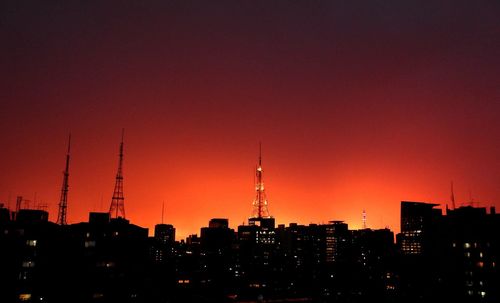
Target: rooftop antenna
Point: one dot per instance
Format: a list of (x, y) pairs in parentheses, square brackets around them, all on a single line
[(452, 196), (19, 201), (364, 219), (63, 200), (162, 210)]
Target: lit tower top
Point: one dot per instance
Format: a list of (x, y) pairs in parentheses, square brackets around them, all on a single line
[(117, 208), (260, 210), (63, 201)]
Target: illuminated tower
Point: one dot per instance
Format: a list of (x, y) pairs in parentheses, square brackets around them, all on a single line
[(260, 210), (63, 201), (117, 208)]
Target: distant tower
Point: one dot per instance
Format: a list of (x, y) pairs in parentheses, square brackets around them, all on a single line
[(63, 201), (260, 203), (117, 208), (452, 196), (364, 219)]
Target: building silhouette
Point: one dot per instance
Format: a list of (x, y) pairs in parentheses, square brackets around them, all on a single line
[(453, 257)]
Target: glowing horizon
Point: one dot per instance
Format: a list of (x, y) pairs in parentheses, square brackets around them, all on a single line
[(358, 106)]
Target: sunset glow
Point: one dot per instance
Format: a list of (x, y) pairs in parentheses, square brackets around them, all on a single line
[(353, 113)]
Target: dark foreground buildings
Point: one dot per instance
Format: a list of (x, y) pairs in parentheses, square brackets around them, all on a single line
[(436, 257)]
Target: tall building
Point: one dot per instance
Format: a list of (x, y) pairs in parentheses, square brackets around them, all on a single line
[(165, 234), (337, 240), (472, 252), (418, 220)]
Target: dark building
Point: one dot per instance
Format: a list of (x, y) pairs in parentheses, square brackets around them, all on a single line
[(4, 214), (31, 256), (165, 234), (418, 223), (471, 253), (217, 258), (111, 255), (373, 254)]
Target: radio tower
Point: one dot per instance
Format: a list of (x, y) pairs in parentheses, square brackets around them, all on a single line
[(117, 208), (364, 219), (63, 201), (452, 196), (260, 203)]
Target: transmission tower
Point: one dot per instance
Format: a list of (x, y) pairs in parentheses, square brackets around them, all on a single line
[(452, 196), (260, 203), (364, 219), (117, 208), (63, 201)]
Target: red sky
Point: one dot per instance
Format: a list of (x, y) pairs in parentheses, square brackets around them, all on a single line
[(358, 106)]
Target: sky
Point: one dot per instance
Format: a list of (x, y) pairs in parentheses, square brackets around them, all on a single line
[(358, 104)]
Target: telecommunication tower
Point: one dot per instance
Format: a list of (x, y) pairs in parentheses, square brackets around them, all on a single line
[(63, 201), (364, 219), (452, 196), (117, 208), (260, 203)]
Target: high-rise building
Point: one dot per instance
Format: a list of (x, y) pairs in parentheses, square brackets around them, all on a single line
[(418, 220), (165, 234)]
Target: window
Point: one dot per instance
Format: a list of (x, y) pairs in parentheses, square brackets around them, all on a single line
[(24, 297), (28, 264)]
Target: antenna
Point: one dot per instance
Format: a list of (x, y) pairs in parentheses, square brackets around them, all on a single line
[(452, 196), (63, 200), (364, 219), (117, 207), (19, 201), (260, 153), (162, 210), (260, 209)]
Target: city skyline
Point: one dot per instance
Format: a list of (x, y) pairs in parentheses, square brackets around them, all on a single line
[(41, 204), (358, 106)]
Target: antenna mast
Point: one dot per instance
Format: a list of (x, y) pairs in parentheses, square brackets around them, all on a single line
[(117, 207), (364, 219), (63, 201), (162, 211), (260, 203), (452, 196)]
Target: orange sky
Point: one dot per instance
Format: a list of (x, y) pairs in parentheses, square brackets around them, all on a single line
[(357, 107)]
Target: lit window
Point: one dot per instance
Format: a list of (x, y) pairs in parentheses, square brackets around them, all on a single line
[(89, 244), (466, 245), (483, 294), (24, 297), (31, 243), (23, 275), (28, 264)]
